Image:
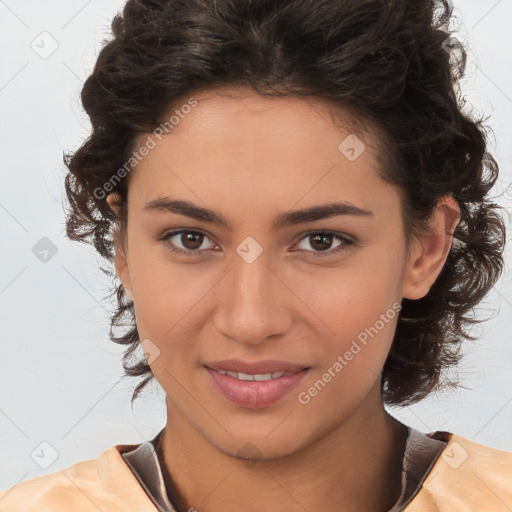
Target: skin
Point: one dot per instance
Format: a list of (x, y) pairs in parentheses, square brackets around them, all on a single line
[(253, 158)]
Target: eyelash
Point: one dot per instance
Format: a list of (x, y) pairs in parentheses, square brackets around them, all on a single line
[(346, 242)]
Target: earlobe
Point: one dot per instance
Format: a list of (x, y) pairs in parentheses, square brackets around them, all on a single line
[(429, 252), (121, 266), (120, 260), (122, 270)]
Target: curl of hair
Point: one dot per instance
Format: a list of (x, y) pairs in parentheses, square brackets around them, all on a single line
[(383, 61)]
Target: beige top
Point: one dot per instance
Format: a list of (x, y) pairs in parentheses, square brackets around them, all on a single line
[(420, 454), (466, 477)]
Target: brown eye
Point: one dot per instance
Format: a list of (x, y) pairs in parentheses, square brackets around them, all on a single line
[(321, 242), (191, 241), (186, 242)]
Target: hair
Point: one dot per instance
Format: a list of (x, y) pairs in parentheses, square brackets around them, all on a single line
[(390, 63)]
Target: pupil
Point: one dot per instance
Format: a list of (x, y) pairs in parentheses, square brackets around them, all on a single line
[(189, 237), (324, 245)]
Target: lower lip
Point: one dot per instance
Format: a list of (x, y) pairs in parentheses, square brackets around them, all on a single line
[(255, 394)]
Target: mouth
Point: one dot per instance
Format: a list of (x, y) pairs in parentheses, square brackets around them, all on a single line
[(254, 385), (265, 367), (259, 377)]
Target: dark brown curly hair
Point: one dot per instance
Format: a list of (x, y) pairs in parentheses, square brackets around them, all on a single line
[(392, 63)]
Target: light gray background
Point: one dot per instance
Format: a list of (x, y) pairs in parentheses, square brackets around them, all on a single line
[(60, 377)]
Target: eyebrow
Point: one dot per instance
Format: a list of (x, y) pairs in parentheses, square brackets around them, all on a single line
[(310, 214)]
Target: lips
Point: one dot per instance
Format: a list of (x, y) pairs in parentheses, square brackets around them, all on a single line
[(255, 367), (259, 377), (254, 384)]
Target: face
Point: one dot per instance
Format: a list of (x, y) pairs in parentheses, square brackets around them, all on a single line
[(306, 304)]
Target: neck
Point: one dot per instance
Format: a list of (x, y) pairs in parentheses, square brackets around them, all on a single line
[(358, 464)]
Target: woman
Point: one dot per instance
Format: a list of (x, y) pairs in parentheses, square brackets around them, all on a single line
[(297, 210)]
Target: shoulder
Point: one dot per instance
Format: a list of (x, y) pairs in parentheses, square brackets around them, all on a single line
[(467, 477), (105, 483)]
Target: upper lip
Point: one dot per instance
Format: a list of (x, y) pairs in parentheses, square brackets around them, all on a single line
[(255, 367)]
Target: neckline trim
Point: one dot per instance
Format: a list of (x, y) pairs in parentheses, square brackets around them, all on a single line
[(420, 455)]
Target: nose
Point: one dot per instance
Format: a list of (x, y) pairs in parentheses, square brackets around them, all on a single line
[(253, 303)]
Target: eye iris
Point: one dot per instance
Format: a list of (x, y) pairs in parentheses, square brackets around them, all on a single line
[(195, 238), (323, 245)]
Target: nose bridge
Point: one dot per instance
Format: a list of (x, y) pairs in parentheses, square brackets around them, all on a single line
[(251, 305)]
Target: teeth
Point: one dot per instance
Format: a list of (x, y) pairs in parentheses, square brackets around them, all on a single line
[(257, 377), (245, 376), (263, 376)]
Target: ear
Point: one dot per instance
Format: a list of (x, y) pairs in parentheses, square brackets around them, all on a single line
[(429, 252), (120, 258)]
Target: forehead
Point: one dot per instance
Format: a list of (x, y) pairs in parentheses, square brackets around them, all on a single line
[(235, 144), (222, 108)]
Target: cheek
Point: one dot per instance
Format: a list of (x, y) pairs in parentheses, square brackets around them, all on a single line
[(346, 300), (169, 312), (352, 358), (168, 296), (356, 308)]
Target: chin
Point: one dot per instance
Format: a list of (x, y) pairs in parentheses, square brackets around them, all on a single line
[(269, 440), (252, 451)]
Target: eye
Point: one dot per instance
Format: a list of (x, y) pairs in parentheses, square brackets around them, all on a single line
[(322, 240), (190, 242)]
